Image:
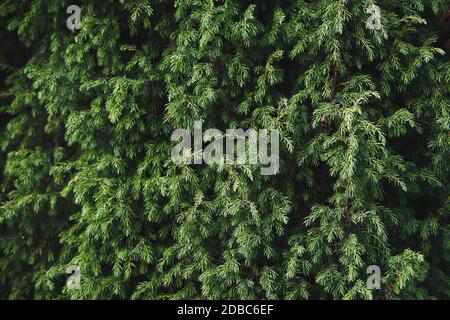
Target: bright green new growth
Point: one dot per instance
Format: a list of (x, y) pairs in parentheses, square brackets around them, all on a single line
[(87, 179)]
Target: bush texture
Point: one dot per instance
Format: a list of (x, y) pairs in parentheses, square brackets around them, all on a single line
[(86, 176)]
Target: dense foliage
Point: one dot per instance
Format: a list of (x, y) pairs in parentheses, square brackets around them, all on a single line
[(85, 171)]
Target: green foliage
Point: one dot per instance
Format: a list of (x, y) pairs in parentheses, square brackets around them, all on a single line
[(86, 175)]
